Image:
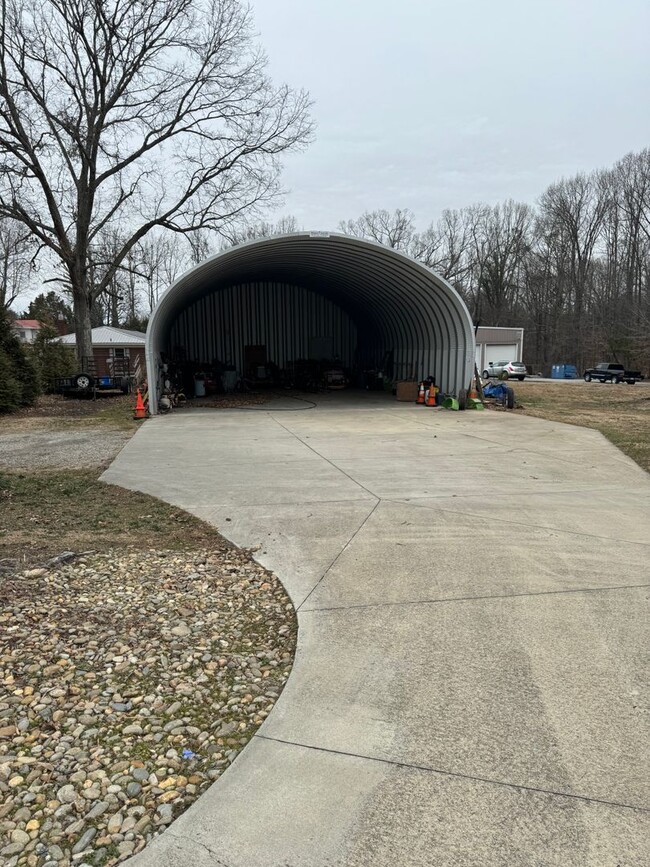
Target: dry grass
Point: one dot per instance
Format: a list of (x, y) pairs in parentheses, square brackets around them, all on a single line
[(56, 412), (46, 512), (620, 412)]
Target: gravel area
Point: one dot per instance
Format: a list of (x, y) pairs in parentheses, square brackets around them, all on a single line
[(60, 449), (129, 682)]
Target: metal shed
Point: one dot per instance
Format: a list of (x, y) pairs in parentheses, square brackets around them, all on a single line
[(311, 293)]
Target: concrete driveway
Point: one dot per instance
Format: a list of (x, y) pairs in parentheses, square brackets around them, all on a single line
[(472, 598)]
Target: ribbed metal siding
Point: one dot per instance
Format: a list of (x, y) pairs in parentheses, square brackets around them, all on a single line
[(396, 303), (280, 316)]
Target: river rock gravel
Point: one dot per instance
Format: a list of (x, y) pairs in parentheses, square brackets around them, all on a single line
[(128, 683)]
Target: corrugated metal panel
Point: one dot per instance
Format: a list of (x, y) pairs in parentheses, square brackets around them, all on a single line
[(398, 304), (282, 317)]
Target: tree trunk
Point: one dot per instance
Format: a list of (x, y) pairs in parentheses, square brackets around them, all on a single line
[(82, 327), (115, 313)]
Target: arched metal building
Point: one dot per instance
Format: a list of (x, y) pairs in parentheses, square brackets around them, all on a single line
[(314, 295)]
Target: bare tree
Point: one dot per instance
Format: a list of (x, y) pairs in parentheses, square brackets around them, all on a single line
[(500, 238), (201, 246), (443, 246), (161, 258), (17, 251), (238, 234), (576, 207), (574, 272), (135, 114), (392, 229)]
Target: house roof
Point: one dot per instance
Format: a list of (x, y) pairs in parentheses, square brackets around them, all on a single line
[(107, 335), (27, 323)]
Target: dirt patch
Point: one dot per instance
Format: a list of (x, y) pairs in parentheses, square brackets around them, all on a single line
[(60, 449), (55, 412), (620, 412), (51, 501), (230, 401)]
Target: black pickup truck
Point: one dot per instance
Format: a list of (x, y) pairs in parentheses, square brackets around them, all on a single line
[(606, 372)]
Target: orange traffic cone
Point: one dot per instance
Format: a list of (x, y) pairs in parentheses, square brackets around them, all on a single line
[(473, 393), (421, 394), (140, 411), (431, 396)]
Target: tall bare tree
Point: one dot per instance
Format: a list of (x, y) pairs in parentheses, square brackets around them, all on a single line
[(500, 237), (17, 251), (576, 208), (135, 114)]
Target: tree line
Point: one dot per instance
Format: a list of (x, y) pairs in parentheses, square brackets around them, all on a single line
[(137, 136), (573, 270)]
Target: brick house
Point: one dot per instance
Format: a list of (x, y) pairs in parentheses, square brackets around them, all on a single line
[(114, 350)]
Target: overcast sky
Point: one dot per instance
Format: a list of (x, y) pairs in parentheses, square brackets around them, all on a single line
[(427, 105)]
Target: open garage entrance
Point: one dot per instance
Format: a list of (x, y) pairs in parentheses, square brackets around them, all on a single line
[(293, 307)]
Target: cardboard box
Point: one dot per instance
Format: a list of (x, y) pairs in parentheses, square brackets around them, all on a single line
[(407, 390)]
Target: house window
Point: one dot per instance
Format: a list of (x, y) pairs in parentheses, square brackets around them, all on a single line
[(120, 352)]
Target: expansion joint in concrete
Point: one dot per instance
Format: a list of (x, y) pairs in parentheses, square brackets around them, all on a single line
[(340, 553), (327, 460), (452, 599), (428, 769)]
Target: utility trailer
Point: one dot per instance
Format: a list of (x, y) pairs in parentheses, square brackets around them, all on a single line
[(88, 381)]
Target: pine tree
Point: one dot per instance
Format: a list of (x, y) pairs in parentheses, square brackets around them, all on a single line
[(10, 392), (53, 360), (22, 385)]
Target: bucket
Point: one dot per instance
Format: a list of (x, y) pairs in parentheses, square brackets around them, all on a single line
[(450, 403)]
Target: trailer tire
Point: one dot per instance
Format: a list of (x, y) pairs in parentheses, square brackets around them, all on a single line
[(462, 399), (83, 381)]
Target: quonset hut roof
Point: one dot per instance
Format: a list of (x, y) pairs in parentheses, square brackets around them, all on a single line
[(412, 309)]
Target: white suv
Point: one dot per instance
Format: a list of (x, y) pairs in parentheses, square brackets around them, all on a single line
[(506, 369)]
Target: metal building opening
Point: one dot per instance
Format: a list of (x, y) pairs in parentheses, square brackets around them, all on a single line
[(284, 305)]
